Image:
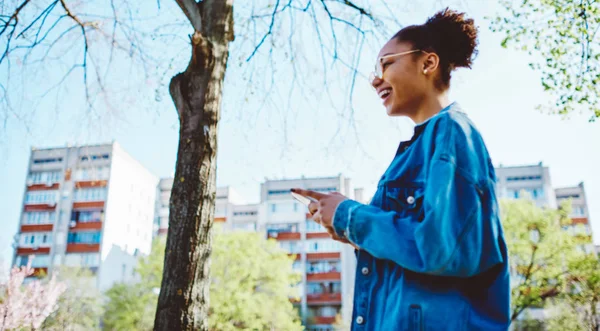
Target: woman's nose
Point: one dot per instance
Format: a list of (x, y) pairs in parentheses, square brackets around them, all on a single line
[(375, 81)]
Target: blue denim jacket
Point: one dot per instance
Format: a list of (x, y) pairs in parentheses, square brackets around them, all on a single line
[(432, 252)]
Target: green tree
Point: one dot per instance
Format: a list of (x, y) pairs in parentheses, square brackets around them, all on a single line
[(250, 289), (540, 250), (251, 285), (132, 306), (80, 306), (562, 38), (583, 292)]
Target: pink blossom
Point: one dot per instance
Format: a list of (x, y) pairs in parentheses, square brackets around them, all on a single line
[(27, 305)]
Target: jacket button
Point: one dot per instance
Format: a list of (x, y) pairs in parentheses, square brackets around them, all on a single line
[(360, 320), (410, 199), (365, 271)]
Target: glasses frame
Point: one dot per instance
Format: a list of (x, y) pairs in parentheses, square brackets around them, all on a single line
[(378, 70)]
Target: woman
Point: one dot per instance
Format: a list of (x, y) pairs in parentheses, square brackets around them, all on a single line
[(430, 251)]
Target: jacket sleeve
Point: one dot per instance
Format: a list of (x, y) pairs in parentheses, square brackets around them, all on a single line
[(455, 237)]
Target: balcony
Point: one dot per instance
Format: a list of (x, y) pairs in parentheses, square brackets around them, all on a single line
[(220, 219), (323, 256), (283, 235), (90, 183), (88, 204), (82, 226), (40, 207), (37, 227), (332, 275), (579, 220), (324, 298), (82, 248), (42, 186), (39, 272), (33, 250), (322, 320), (318, 235)]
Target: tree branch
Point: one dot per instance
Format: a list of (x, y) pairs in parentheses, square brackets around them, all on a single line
[(192, 12)]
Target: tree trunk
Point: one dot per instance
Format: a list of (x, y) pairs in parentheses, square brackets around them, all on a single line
[(184, 296)]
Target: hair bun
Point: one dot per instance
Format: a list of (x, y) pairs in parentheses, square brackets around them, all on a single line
[(456, 37)]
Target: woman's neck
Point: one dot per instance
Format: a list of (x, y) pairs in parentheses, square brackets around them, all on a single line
[(430, 106)]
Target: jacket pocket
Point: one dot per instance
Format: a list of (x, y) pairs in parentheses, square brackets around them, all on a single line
[(406, 201), (415, 318)]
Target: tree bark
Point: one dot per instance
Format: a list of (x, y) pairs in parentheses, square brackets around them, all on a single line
[(184, 296)]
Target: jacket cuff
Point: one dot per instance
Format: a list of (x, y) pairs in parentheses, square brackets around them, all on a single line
[(341, 217)]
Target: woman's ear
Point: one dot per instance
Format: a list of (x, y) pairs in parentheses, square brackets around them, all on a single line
[(431, 63)]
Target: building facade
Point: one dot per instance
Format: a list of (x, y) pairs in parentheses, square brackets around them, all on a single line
[(87, 206)]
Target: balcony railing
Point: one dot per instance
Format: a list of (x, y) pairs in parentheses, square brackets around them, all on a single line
[(324, 297)]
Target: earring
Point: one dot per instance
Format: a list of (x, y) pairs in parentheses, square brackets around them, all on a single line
[(425, 72)]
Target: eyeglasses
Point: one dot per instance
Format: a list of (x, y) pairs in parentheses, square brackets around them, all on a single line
[(378, 72)]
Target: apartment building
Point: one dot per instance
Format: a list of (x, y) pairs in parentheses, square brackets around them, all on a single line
[(327, 267), (579, 212), (534, 180), (86, 206)]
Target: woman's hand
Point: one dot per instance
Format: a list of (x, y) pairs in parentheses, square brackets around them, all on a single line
[(323, 209)]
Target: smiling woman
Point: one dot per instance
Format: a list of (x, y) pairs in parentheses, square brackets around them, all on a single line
[(431, 253)]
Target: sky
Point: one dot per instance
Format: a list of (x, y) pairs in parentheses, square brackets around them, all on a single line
[(499, 93)]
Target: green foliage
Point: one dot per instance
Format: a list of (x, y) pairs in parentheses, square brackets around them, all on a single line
[(562, 37), (251, 283), (80, 306), (540, 250)]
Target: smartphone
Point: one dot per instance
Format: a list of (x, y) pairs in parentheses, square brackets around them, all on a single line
[(304, 200)]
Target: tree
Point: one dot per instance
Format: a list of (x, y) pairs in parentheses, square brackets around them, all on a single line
[(583, 292), (27, 306), (540, 252), (80, 306), (70, 33), (250, 288), (252, 284), (562, 37)]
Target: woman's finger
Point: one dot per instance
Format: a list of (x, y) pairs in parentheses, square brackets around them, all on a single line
[(313, 207)]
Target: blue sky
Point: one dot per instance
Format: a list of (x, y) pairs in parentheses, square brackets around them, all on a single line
[(500, 94)]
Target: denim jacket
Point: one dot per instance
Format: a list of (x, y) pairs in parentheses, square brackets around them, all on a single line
[(432, 252)]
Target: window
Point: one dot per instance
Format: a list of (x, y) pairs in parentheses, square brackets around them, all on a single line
[(518, 178), (48, 160), (84, 238), (578, 211), (312, 226), (82, 259), (291, 246), (283, 207), (273, 207), (94, 157), (245, 226), (92, 173), (36, 239), (324, 287), (322, 267), (44, 177), (90, 194), (85, 216), (39, 217), (282, 227), (40, 197), (322, 246), (278, 192), (38, 261), (324, 189), (244, 213)]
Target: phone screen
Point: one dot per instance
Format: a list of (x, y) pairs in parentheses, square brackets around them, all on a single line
[(304, 200)]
